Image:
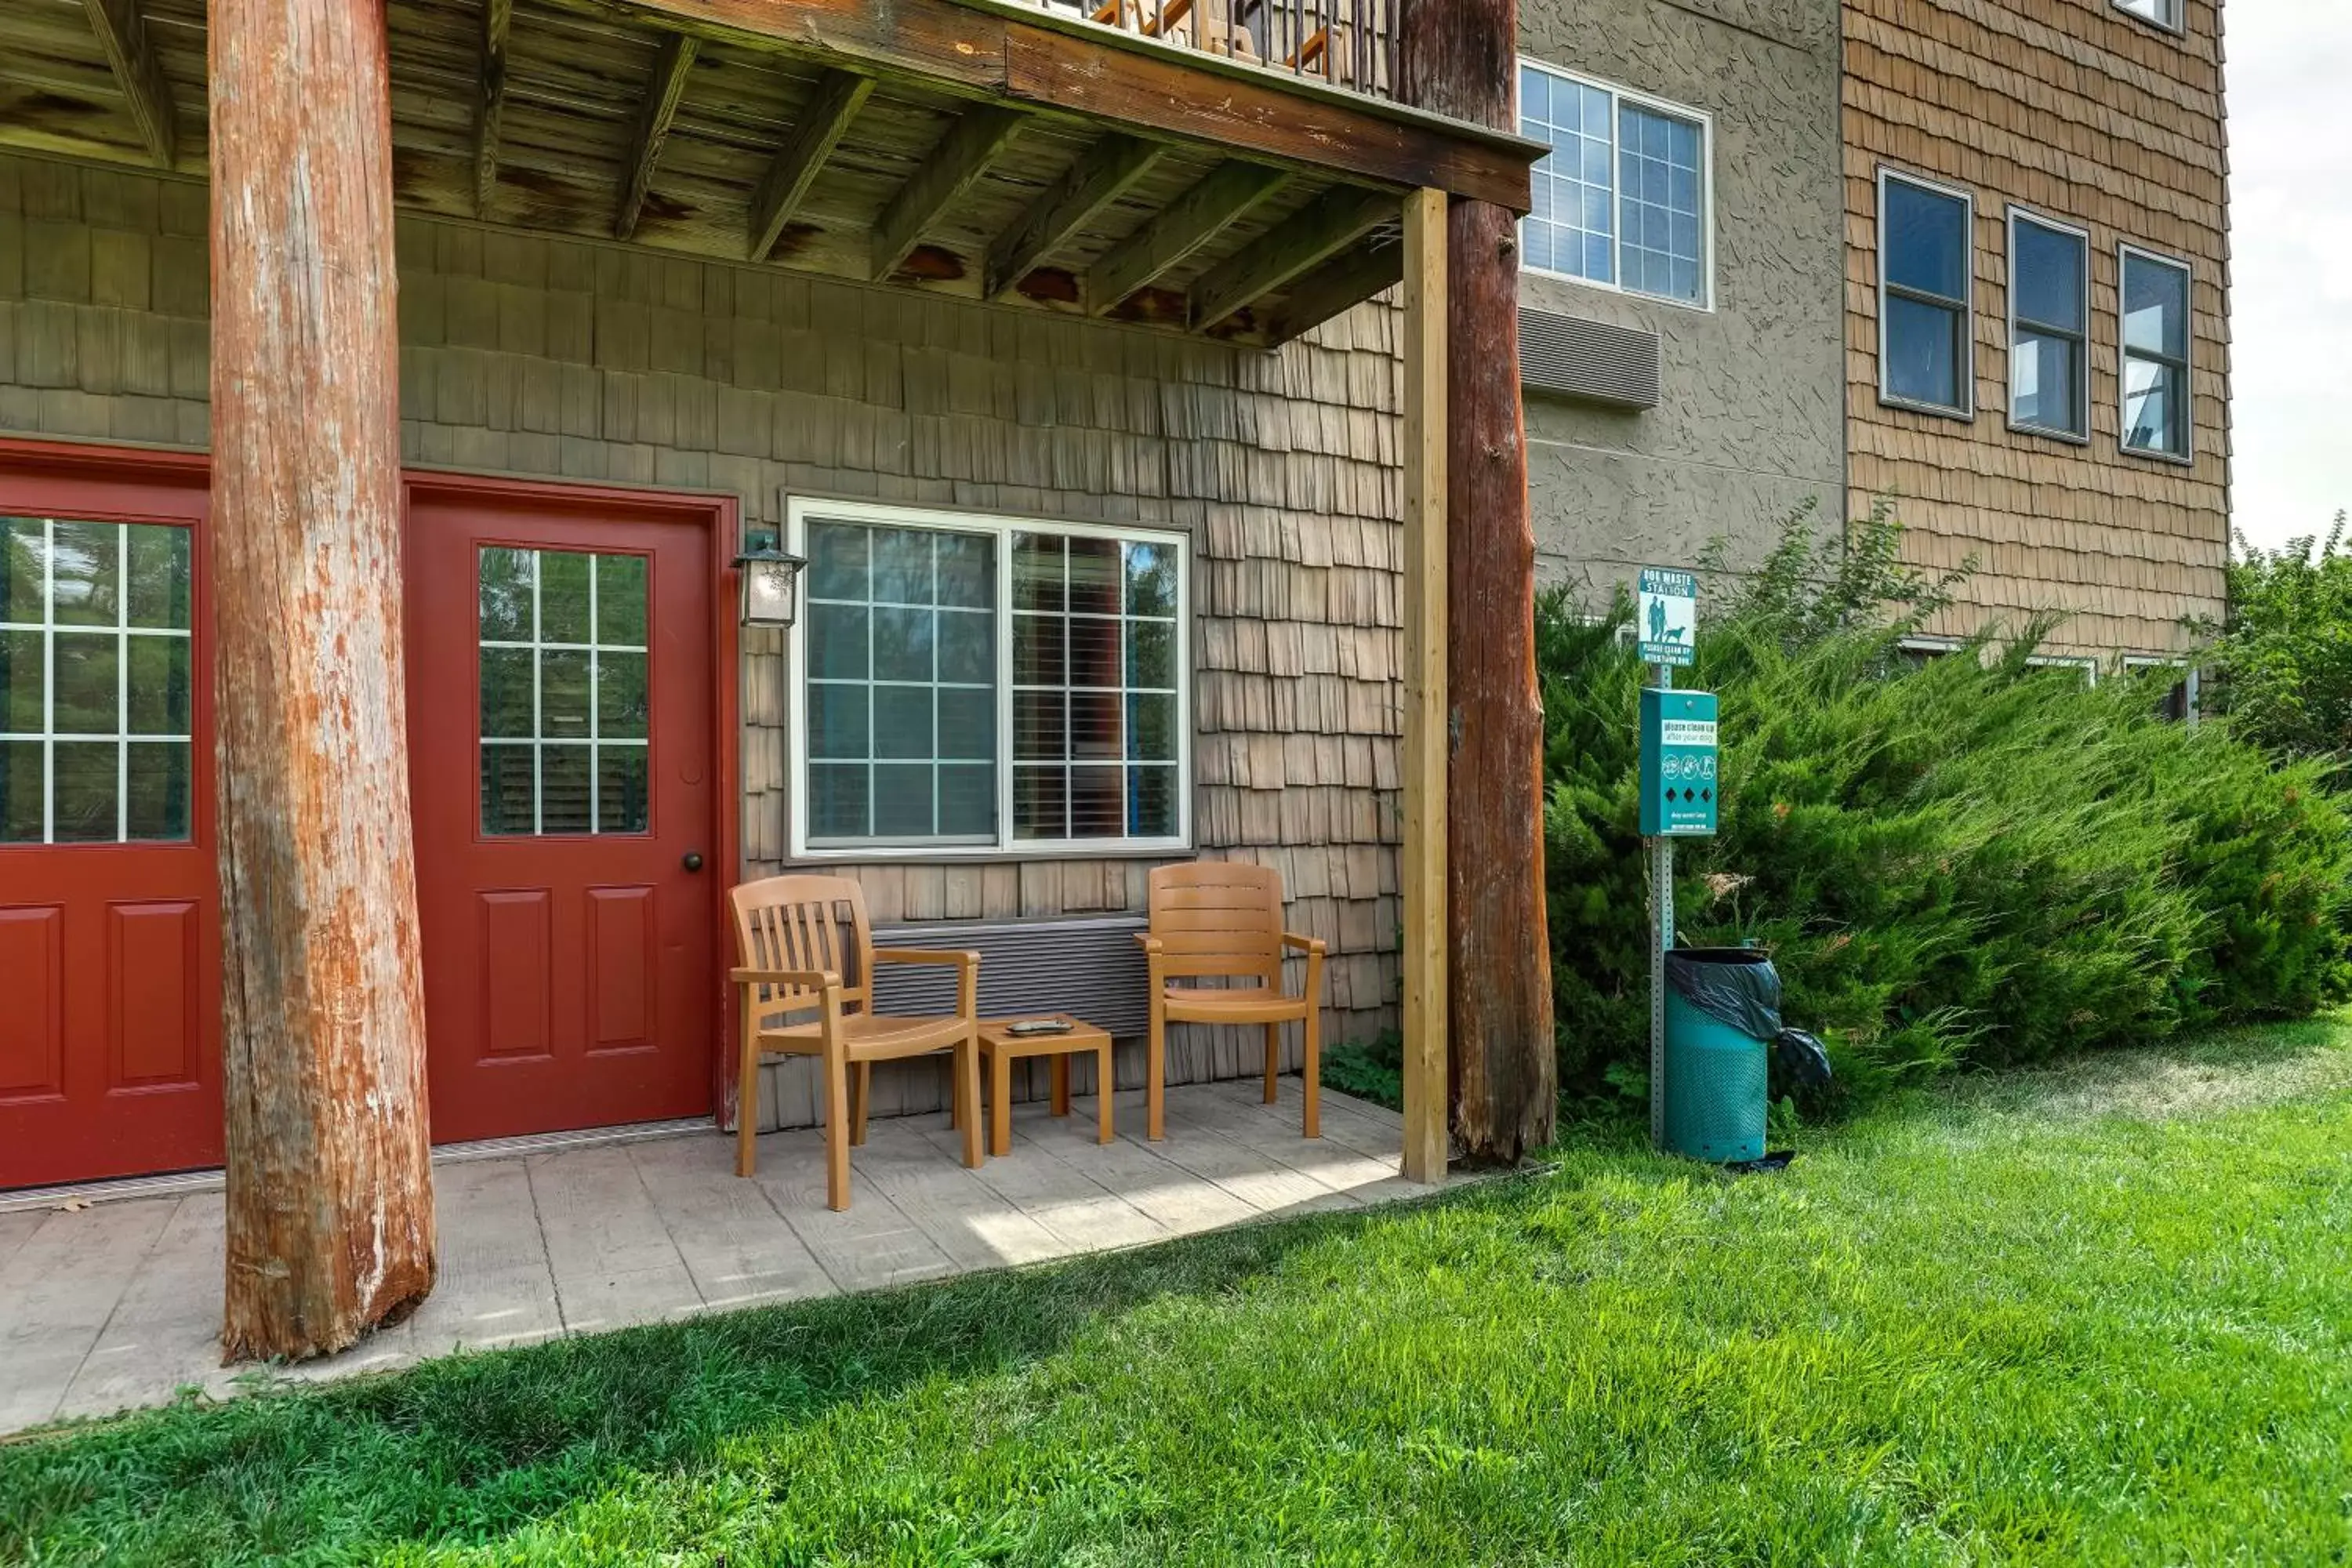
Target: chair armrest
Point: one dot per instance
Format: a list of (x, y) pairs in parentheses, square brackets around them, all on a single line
[(922, 955), (805, 979), (1307, 944)]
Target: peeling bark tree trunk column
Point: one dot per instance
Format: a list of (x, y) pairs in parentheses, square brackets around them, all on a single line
[(329, 1190), (1459, 58)]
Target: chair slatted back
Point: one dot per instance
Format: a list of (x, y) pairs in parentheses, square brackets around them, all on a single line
[(805, 922), (1219, 918)]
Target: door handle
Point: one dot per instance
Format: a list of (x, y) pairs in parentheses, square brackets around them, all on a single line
[(692, 860)]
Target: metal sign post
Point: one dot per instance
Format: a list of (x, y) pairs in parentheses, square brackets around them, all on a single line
[(1666, 626)]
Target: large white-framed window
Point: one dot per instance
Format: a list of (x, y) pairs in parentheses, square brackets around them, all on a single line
[(2154, 354), (1624, 199), (1926, 296), (974, 684), (2048, 327), (2164, 14), (97, 700)]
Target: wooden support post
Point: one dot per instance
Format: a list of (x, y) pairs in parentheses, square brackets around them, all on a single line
[(330, 1208), (1422, 875), (1455, 59)]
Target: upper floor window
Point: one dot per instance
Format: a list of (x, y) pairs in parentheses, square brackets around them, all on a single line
[(988, 683), (2048, 316), (2155, 355), (96, 701), (2163, 13), (1622, 199), (1926, 339)]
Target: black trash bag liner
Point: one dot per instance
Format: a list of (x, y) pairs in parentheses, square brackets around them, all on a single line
[(1801, 1063), (1734, 986)]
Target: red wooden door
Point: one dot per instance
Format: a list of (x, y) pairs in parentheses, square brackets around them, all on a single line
[(110, 951), (561, 761)]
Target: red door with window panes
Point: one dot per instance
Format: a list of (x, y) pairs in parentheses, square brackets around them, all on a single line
[(561, 698), (110, 957)]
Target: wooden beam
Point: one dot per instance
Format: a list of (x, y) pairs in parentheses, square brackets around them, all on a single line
[(329, 1183), (1063, 62), (1421, 868), (490, 101), (122, 34), (663, 91), (1374, 265), (1332, 222), (839, 96), (954, 166), (1187, 224), (1102, 173)]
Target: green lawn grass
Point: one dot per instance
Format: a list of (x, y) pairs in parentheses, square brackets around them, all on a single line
[(2094, 1315)]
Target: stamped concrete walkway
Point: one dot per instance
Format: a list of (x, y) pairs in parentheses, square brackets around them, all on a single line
[(118, 1304)]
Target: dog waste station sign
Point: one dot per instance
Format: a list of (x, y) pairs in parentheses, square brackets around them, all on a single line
[(1680, 795)]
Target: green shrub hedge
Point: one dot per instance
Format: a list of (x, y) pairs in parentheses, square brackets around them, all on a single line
[(1977, 860)]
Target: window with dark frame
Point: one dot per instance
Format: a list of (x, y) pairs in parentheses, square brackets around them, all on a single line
[(2155, 352), (984, 683), (1926, 358), (2048, 327)]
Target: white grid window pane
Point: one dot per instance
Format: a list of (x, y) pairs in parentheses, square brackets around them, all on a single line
[(901, 688), (1571, 227), (563, 678), (97, 708), (1660, 176)]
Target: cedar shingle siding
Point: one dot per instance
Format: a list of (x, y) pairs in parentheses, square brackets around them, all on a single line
[(2078, 110), (547, 357)]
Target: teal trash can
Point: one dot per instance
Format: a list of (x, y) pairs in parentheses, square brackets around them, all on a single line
[(1723, 1007)]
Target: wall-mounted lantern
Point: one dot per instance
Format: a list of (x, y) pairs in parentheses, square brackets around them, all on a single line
[(772, 587)]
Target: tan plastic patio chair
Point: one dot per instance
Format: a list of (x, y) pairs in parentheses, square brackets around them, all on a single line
[(1223, 920), (805, 947)]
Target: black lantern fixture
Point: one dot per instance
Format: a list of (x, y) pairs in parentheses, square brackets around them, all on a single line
[(772, 586)]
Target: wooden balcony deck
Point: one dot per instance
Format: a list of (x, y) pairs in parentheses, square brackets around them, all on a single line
[(1232, 169), (117, 1305)]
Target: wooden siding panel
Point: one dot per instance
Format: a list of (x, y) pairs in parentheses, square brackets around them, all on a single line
[(2074, 110)]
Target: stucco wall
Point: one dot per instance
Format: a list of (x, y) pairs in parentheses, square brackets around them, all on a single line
[(1751, 421), (532, 356)]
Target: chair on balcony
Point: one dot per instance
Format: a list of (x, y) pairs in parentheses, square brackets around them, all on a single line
[(1222, 919), (805, 947)]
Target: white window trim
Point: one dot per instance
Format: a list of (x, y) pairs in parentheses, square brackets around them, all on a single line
[(2178, 25), (1967, 410), (2082, 361), (1933, 647), (2186, 458), (2190, 677), (801, 510), (1705, 303)]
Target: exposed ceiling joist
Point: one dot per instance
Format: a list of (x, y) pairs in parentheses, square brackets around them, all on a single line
[(1192, 221), (122, 34), (1331, 223), (668, 85), (954, 166), (497, 20), (1101, 177), (839, 96), (1375, 264)]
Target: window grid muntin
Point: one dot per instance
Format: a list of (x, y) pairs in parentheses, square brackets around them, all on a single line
[(801, 515), (2183, 411), (1126, 763), (2080, 392), (121, 737), (1618, 99), (1963, 308), (872, 683), (594, 742)]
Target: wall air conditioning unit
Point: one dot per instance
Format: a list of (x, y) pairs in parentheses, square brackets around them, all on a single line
[(1573, 357)]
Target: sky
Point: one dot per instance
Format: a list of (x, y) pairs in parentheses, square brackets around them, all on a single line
[(2289, 65)]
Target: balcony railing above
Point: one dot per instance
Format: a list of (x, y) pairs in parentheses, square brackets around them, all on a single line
[(1348, 44)]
